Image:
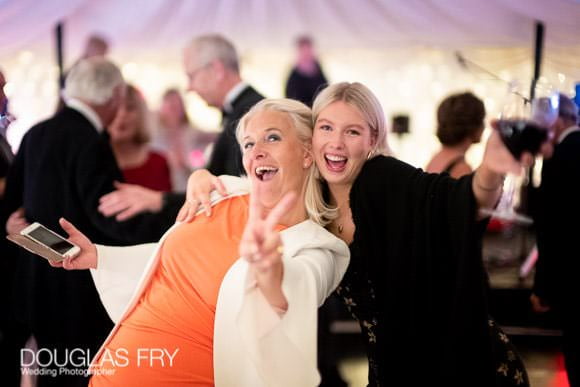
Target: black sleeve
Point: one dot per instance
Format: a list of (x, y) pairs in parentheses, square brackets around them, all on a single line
[(172, 201), (226, 158), (94, 174), (291, 90), (419, 238), (14, 186)]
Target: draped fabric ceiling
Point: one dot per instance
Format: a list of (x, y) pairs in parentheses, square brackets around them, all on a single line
[(404, 49)]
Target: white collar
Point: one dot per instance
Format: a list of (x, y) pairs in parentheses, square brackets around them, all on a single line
[(87, 112), (565, 133), (233, 94)]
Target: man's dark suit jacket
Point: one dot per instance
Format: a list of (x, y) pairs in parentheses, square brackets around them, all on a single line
[(226, 158), (62, 168), (557, 216)]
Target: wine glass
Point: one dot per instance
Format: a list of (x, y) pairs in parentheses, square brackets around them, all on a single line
[(4, 116), (523, 127)]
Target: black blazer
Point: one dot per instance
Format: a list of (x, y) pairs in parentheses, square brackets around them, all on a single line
[(226, 158), (62, 168), (557, 213)]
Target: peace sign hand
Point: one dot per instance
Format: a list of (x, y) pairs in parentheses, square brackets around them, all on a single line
[(262, 247)]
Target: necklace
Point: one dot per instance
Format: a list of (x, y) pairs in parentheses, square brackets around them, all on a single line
[(346, 208)]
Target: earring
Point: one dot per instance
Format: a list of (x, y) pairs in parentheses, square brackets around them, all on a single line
[(370, 154)]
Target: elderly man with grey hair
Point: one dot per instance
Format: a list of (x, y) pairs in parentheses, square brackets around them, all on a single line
[(557, 216), (212, 67), (64, 165)]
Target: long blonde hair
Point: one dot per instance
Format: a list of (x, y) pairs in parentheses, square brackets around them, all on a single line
[(301, 118), (360, 97)]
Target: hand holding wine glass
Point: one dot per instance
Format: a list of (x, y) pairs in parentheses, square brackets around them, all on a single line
[(524, 134)]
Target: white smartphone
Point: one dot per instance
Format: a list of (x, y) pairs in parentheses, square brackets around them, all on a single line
[(51, 240)]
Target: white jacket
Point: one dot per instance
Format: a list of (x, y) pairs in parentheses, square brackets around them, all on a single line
[(253, 345)]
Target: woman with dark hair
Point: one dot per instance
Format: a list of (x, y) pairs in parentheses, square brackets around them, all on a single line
[(459, 125)]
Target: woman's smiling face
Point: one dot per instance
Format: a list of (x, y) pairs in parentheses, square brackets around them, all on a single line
[(341, 143), (274, 157)]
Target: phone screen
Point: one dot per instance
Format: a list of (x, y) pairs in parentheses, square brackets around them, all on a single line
[(53, 241)]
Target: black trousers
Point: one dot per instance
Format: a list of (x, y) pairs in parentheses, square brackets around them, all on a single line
[(13, 337), (13, 333)]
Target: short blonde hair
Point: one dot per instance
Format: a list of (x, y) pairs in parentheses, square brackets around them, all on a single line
[(359, 96), (301, 117)]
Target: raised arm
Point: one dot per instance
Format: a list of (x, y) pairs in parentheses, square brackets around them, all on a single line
[(497, 162), (262, 247)]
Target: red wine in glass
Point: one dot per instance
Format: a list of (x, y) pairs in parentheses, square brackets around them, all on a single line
[(518, 135), (521, 136)]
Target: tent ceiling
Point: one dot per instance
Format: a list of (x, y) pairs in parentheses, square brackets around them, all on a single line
[(140, 26)]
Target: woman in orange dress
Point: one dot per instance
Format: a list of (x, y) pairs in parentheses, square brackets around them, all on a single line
[(199, 315)]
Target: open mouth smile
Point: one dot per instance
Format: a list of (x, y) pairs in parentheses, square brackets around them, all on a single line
[(265, 173), (335, 163)]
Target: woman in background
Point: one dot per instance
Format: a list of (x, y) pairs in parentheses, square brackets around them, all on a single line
[(129, 136), (184, 145), (459, 125)]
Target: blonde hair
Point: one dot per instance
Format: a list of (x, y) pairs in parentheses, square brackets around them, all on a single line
[(360, 97), (134, 96), (301, 117)]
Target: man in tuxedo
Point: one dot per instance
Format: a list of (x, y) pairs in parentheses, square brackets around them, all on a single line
[(64, 165), (557, 214), (212, 67)]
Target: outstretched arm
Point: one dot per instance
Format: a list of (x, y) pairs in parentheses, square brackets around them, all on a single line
[(87, 258), (497, 162)]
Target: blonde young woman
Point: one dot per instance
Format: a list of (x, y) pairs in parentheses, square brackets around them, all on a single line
[(415, 282), (130, 139), (222, 320)]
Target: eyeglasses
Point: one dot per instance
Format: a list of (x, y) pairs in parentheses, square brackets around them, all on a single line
[(194, 73)]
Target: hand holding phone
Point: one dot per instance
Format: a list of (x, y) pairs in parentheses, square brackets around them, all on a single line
[(44, 242), (87, 259), (78, 252)]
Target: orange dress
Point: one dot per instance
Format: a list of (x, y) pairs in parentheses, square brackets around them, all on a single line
[(168, 338)]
